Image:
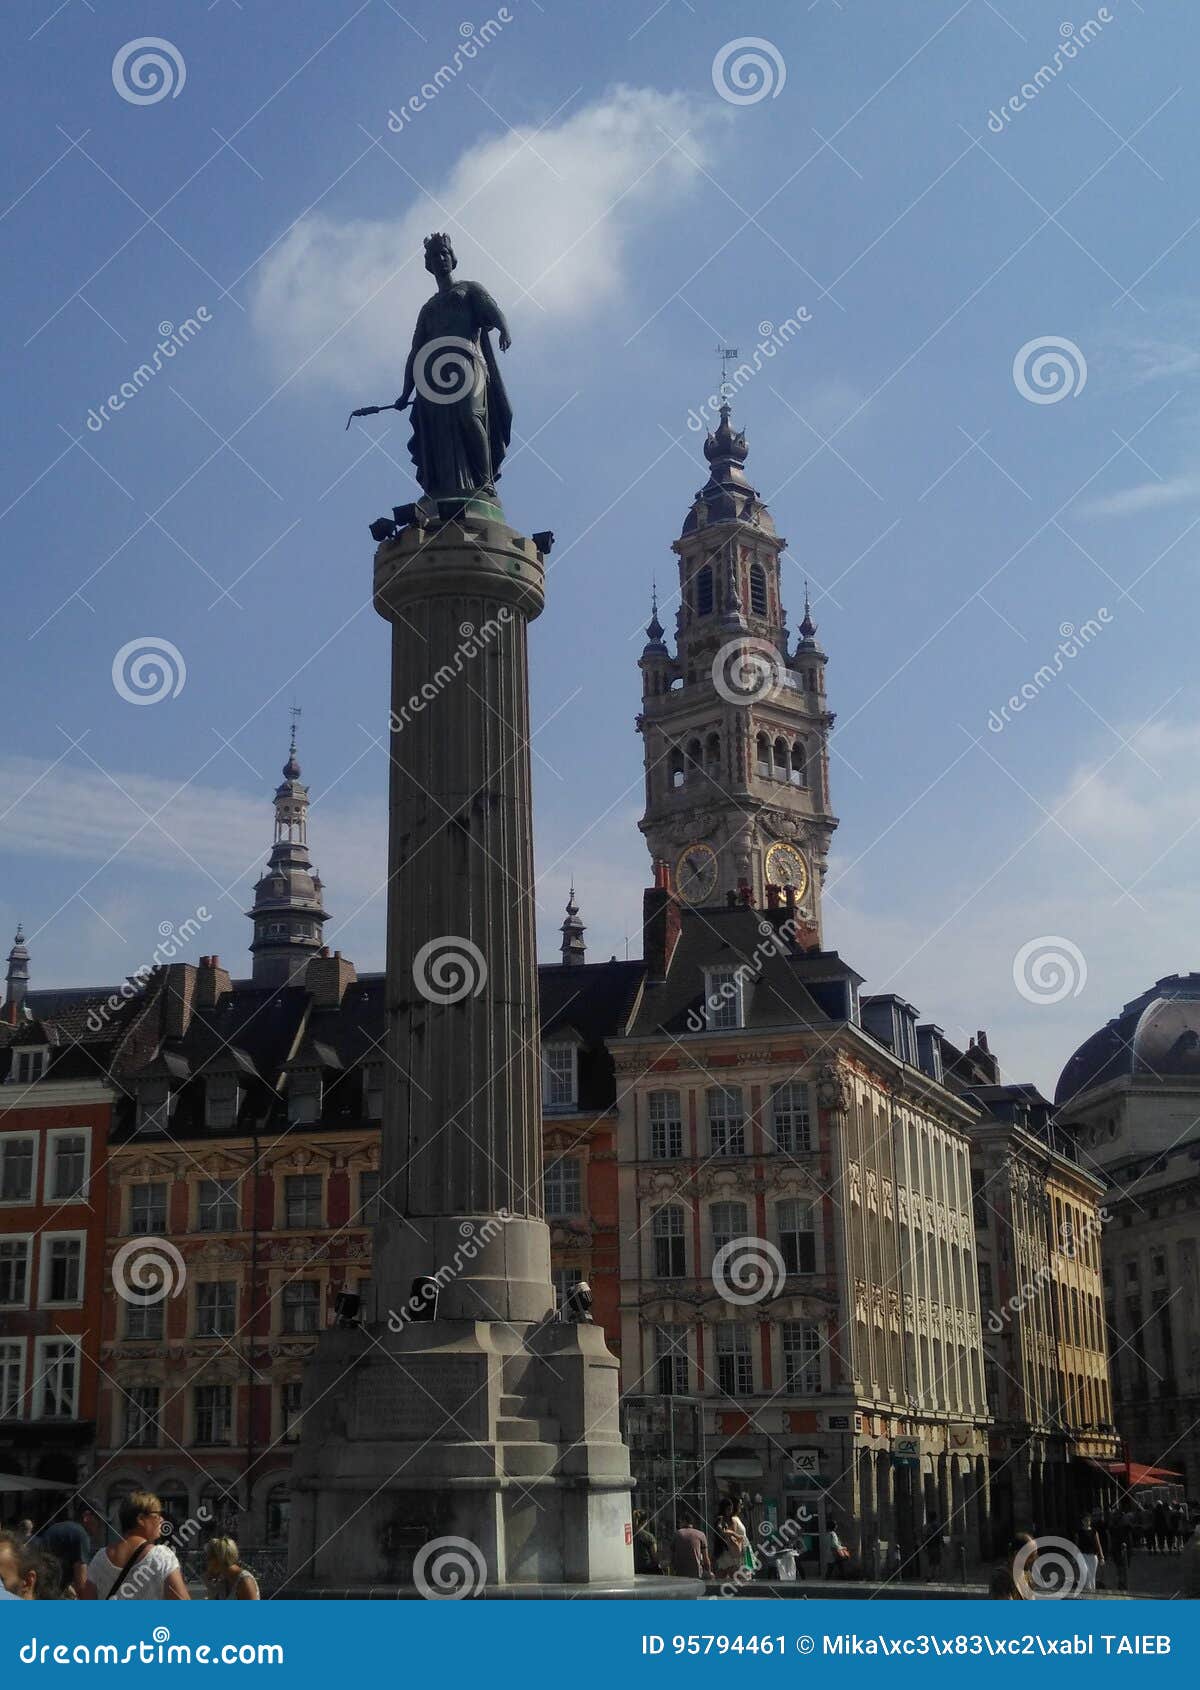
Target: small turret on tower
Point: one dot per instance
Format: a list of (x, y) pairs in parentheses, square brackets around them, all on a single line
[(574, 952), (288, 911), (17, 978)]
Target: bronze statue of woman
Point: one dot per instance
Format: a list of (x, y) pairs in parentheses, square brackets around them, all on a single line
[(460, 412)]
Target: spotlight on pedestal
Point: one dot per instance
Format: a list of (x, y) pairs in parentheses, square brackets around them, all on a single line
[(424, 1298), (543, 541), (382, 529), (405, 515), (347, 1308)]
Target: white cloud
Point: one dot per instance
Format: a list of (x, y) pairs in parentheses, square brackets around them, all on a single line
[(1145, 496), (548, 218)]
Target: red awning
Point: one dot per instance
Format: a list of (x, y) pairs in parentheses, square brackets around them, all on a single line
[(1138, 1473)]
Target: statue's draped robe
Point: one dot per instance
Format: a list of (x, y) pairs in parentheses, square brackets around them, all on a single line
[(458, 446)]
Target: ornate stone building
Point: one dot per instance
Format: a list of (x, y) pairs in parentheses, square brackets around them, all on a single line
[(1130, 1098)]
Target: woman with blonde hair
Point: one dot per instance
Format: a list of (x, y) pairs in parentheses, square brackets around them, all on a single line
[(224, 1576), (137, 1566)]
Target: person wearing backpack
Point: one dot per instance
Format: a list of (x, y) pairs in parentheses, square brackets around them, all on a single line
[(137, 1567)]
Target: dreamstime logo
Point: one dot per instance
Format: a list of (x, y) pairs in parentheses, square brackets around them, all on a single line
[(748, 1270), (1071, 1243), (148, 1270), (172, 941), (1070, 40), (449, 1568), (1048, 369), (473, 1239), (449, 969), (747, 670), (148, 70), (1049, 1569), (473, 641), (748, 70), (773, 941), (773, 337), (1072, 640), (471, 40), (171, 340), (1048, 969), (148, 669), (447, 369)]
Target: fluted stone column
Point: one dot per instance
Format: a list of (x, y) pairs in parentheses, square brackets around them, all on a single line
[(462, 1113)]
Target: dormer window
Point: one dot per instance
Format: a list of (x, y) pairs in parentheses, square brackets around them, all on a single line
[(222, 1101), (724, 999), (560, 1084), (156, 1105), (29, 1064)]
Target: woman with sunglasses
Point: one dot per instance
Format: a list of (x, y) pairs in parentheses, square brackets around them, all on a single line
[(137, 1566)]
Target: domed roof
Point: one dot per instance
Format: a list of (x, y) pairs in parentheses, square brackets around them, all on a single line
[(727, 496), (1157, 1036)]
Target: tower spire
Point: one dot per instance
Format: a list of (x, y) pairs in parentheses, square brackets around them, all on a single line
[(17, 978), (574, 952), (288, 910)]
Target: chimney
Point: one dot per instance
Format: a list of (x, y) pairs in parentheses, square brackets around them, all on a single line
[(983, 1058), (772, 895), (660, 927), (326, 978), (212, 982), (178, 999)]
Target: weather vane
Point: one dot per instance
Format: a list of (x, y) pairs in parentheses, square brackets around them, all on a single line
[(726, 354)]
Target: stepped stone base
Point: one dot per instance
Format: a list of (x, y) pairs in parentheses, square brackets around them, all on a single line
[(430, 1459)]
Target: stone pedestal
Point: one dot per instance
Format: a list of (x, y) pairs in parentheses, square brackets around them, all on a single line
[(478, 1451)]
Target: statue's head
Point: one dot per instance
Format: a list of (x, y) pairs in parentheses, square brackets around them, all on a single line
[(439, 254)]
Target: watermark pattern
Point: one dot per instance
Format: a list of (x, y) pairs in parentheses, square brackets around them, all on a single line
[(748, 70), (1072, 640), (1047, 1569), (772, 338), (776, 1537), (748, 1270), (472, 41), (1069, 1243), (774, 941), (171, 339), (448, 1569), (1048, 969), (1071, 41), (746, 670), (449, 969), (447, 369), (172, 939), (473, 1238), (1049, 368), (148, 1270), (148, 70), (148, 669), (474, 640)]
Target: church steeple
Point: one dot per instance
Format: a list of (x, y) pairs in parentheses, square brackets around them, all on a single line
[(735, 723), (288, 912), (574, 952)]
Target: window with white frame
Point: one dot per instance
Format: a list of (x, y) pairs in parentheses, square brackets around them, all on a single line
[(18, 1155), (144, 1322), (735, 1358), (12, 1377), (559, 1081), (723, 997), (62, 1267), (562, 1186), (796, 1222), (217, 1206), (565, 1280), (670, 1242), (671, 1360), (56, 1378), (141, 1416), (302, 1200), (728, 1221), (147, 1207), (222, 1100), (67, 1165), (301, 1306), (801, 1341), (29, 1064), (791, 1123), (156, 1106), (666, 1125), (216, 1308), (290, 1408), (212, 1414), (726, 1122), (15, 1255)]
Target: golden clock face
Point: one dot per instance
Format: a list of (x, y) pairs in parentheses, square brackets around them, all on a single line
[(786, 867), (696, 874)]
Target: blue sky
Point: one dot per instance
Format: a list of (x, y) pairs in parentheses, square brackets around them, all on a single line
[(627, 216)]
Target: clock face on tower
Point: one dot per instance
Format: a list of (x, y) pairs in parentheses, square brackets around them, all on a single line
[(696, 874), (786, 866)]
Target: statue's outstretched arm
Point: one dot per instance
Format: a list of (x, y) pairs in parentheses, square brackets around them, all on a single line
[(491, 316)]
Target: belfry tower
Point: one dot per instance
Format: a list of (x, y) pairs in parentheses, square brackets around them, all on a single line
[(734, 725), (288, 912)]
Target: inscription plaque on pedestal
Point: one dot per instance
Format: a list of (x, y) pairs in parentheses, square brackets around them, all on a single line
[(422, 1397)]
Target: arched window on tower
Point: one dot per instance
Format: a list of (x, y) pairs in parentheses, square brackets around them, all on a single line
[(799, 774), (694, 766), (781, 759), (763, 756), (704, 592), (676, 767), (712, 755), (758, 589)]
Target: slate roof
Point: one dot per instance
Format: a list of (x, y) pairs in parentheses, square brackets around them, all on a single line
[(592, 1001), (1156, 1036)]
